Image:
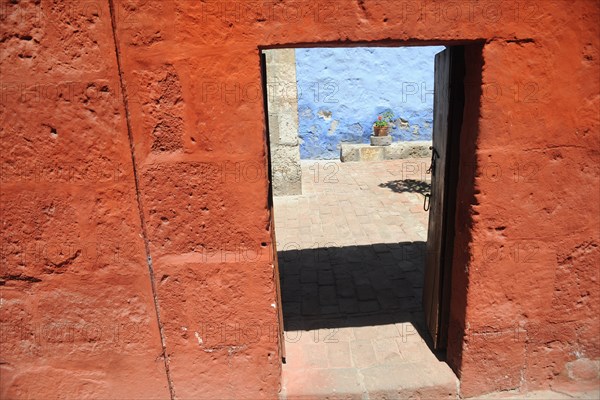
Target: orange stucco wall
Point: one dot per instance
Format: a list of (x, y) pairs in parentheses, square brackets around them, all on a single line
[(83, 314)]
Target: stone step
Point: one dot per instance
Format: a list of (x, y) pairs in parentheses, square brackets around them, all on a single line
[(350, 152), (403, 381)]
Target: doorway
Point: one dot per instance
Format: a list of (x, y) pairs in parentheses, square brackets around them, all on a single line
[(363, 273)]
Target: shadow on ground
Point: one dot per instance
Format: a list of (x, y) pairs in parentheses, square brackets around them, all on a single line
[(353, 286), (408, 185)]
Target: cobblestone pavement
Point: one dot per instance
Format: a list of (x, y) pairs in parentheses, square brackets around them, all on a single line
[(351, 258)]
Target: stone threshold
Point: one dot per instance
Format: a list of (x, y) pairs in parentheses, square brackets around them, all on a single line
[(351, 152)]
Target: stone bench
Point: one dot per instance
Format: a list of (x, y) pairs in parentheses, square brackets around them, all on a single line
[(399, 150)]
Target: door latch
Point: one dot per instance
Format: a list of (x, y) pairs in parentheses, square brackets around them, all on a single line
[(431, 170), (434, 156)]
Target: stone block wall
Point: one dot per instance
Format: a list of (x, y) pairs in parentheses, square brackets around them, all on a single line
[(282, 98)]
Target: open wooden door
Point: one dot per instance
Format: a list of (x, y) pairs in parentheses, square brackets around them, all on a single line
[(448, 106), (276, 276)]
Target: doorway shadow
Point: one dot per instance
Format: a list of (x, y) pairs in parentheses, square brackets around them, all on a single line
[(408, 185), (353, 286)]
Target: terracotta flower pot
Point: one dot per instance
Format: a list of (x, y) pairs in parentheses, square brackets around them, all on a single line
[(381, 130)]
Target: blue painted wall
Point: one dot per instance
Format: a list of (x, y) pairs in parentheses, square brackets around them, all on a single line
[(342, 90)]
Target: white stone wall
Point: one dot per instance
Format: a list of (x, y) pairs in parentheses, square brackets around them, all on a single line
[(282, 96)]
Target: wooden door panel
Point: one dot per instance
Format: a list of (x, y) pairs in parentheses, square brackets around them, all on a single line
[(436, 229)]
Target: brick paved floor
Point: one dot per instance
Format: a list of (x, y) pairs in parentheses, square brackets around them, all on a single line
[(351, 257)]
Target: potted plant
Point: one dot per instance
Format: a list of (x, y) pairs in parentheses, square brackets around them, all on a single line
[(381, 127)]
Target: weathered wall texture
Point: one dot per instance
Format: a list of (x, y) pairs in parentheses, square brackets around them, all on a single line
[(77, 312), (282, 104), (342, 90), (76, 307)]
